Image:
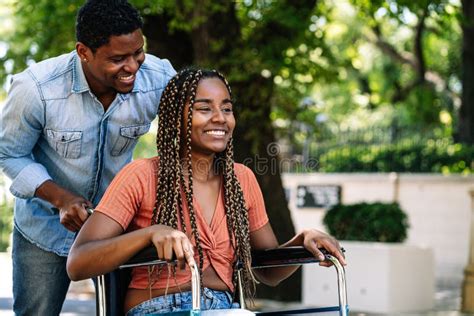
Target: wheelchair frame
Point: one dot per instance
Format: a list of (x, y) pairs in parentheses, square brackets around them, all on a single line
[(260, 259)]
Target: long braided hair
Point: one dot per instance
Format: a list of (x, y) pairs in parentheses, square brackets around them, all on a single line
[(173, 140)]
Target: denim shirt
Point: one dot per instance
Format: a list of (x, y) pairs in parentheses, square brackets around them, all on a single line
[(53, 127)]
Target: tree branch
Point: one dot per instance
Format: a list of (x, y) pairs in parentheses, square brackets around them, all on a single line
[(418, 47), (416, 61), (387, 48)]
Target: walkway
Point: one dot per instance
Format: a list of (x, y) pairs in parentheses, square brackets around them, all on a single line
[(80, 299)]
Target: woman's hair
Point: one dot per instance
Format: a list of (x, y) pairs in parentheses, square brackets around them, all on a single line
[(174, 150)]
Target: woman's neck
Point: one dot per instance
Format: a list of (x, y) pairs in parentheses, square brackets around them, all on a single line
[(202, 167)]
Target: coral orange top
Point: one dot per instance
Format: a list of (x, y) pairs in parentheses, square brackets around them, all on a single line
[(130, 200)]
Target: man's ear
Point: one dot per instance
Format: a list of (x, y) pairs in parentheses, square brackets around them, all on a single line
[(84, 52)]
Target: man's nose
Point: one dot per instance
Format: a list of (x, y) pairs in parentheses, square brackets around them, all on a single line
[(131, 65)]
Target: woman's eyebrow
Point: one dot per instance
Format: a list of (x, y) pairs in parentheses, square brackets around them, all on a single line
[(210, 100), (203, 100)]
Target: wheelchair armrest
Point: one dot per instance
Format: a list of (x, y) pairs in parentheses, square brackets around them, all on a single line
[(284, 256), (145, 257), (260, 258)]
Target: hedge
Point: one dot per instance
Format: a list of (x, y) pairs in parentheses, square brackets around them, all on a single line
[(438, 156), (382, 222)]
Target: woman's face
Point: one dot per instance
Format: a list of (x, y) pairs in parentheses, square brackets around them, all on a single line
[(213, 120)]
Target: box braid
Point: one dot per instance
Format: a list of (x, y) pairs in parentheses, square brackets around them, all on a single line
[(181, 90)]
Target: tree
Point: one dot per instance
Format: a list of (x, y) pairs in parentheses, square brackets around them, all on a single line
[(401, 55), (466, 112)]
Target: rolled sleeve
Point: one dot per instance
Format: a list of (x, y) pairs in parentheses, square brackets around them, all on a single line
[(21, 124), (24, 185)]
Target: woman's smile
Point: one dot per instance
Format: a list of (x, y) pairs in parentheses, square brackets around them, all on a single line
[(216, 132)]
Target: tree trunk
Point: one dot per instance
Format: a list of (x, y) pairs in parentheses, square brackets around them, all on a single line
[(465, 133), (256, 147)]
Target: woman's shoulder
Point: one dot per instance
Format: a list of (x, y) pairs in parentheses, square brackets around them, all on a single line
[(241, 169), (139, 171), (142, 164), (244, 174)]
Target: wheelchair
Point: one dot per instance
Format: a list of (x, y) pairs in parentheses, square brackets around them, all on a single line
[(111, 288)]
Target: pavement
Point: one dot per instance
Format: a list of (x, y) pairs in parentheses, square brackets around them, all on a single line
[(80, 299)]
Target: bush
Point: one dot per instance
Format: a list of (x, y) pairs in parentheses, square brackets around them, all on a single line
[(6, 220), (383, 222), (146, 147), (439, 156)]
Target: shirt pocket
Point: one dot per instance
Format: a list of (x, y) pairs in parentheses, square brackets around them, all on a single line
[(65, 143), (128, 138)]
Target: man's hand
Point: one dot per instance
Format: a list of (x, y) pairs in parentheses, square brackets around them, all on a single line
[(72, 207), (73, 213)]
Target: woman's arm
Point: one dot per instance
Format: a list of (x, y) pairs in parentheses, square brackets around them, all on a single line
[(311, 239), (101, 246)]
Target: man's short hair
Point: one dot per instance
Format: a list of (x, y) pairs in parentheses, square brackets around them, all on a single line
[(98, 20)]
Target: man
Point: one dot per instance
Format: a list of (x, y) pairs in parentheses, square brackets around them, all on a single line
[(69, 125)]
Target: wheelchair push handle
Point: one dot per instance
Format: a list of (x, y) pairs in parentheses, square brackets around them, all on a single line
[(149, 257)]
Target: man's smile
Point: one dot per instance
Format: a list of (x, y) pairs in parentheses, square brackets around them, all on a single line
[(127, 79)]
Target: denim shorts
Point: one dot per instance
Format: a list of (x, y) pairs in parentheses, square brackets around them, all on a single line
[(210, 299)]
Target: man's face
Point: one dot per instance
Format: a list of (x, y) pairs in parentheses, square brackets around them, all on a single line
[(113, 67)]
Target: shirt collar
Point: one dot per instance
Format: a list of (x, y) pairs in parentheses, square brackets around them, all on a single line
[(79, 82), (138, 82)]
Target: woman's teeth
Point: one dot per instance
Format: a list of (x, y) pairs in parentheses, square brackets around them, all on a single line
[(217, 133)]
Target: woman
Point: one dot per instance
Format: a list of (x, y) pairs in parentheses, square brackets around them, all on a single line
[(191, 202)]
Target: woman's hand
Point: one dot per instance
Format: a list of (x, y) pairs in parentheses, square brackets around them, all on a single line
[(313, 239), (169, 241)]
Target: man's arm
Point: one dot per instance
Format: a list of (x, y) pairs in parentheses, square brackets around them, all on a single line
[(21, 125), (72, 207)]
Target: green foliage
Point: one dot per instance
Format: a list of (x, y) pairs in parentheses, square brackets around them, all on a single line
[(382, 222), (146, 147), (323, 49), (42, 29), (374, 56), (270, 44), (439, 156), (6, 224), (6, 215)]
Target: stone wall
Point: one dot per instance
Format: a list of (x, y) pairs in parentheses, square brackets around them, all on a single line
[(438, 208)]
